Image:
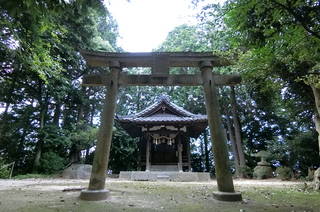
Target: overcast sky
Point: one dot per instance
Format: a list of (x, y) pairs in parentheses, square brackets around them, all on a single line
[(144, 24)]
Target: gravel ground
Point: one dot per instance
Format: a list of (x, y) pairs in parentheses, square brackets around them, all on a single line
[(59, 183), (45, 195)]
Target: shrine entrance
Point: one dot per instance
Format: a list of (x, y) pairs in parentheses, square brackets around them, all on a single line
[(160, 62), (163, 154), (164, 130)]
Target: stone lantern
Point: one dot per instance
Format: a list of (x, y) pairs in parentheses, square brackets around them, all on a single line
[(263, 169)]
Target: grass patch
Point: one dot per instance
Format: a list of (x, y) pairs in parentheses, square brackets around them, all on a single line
[(28, 176)]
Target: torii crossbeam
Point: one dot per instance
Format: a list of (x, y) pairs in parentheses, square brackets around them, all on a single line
[(160, 62)]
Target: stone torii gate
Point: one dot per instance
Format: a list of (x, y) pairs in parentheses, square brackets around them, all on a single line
[(160, 62)]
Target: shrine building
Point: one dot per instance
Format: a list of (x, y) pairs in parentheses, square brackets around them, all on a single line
[(164, 131)]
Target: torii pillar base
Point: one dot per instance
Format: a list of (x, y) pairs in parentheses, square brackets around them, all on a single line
[(227, 196), (94, 195)]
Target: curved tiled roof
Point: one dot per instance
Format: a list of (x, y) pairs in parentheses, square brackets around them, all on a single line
[(166, 119), (163, 112), (171, 113)]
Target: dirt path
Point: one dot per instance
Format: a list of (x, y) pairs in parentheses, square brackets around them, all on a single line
[(45, 195), (58, 183)]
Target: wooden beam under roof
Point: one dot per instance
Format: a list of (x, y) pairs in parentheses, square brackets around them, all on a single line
[(148, 59)]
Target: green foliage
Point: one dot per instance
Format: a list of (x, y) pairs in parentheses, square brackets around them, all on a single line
[(45, 109), (247, 171), (299, 151), (274, 46), (4, 170), (29, 176), (304, 151), (123, 153), (51, 163), (284, 173), (83, 135), (185, 38), (197, 162)]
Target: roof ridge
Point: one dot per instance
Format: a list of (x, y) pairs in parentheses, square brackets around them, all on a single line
[(166, 100)]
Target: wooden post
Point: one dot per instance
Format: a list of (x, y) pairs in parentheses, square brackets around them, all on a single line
[(96, 189), (219, 141), (179, 154), (189, 155), (148, 154)]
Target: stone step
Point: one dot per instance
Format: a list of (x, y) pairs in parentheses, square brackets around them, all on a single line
[(162, 177), (164, 168), (165, 176)]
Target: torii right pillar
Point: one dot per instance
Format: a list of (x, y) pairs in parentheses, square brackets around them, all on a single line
[(226, 190)]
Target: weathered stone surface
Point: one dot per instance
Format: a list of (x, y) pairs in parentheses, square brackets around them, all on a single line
[(203, 176), (184, 177), (263, 169), (143, 176), (160, 63), (104, 138), (164, 168), (262, 172), (152, 59), (310, 174), (316, 179), (125, 175), (165, 176), (219, 147), (150, 80), (227, 196), (94, 195), (77, 171)]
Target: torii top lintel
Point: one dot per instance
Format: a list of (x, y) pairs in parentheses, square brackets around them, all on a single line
[(160, 62), (152, 59)]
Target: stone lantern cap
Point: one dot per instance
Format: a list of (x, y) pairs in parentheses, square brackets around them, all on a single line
[(264, 155)]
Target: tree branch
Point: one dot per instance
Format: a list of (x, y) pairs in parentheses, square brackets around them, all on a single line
[(298, 17)]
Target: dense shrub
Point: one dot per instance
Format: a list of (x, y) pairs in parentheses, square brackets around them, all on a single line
[(51, 163), (284, 173), (246, 171), (4, 171)]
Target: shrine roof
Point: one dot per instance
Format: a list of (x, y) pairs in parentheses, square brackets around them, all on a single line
[(164, 119), (163, 112)]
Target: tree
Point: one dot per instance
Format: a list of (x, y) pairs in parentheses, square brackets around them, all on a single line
[(41, 68), (282, 40)]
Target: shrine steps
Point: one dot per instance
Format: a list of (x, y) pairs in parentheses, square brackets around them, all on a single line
[(165, 176), (164, 168)]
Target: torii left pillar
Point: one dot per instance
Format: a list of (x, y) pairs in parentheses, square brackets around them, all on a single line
[(96, 190)]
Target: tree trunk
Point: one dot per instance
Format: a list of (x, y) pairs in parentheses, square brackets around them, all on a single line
[(57, 114), (316, 93), (6, 108), (9, 98), (206, 152), (74, 154), (43, 104), (234, 146), (87, 155), (237, 130), (40, 143), (93, 109)]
